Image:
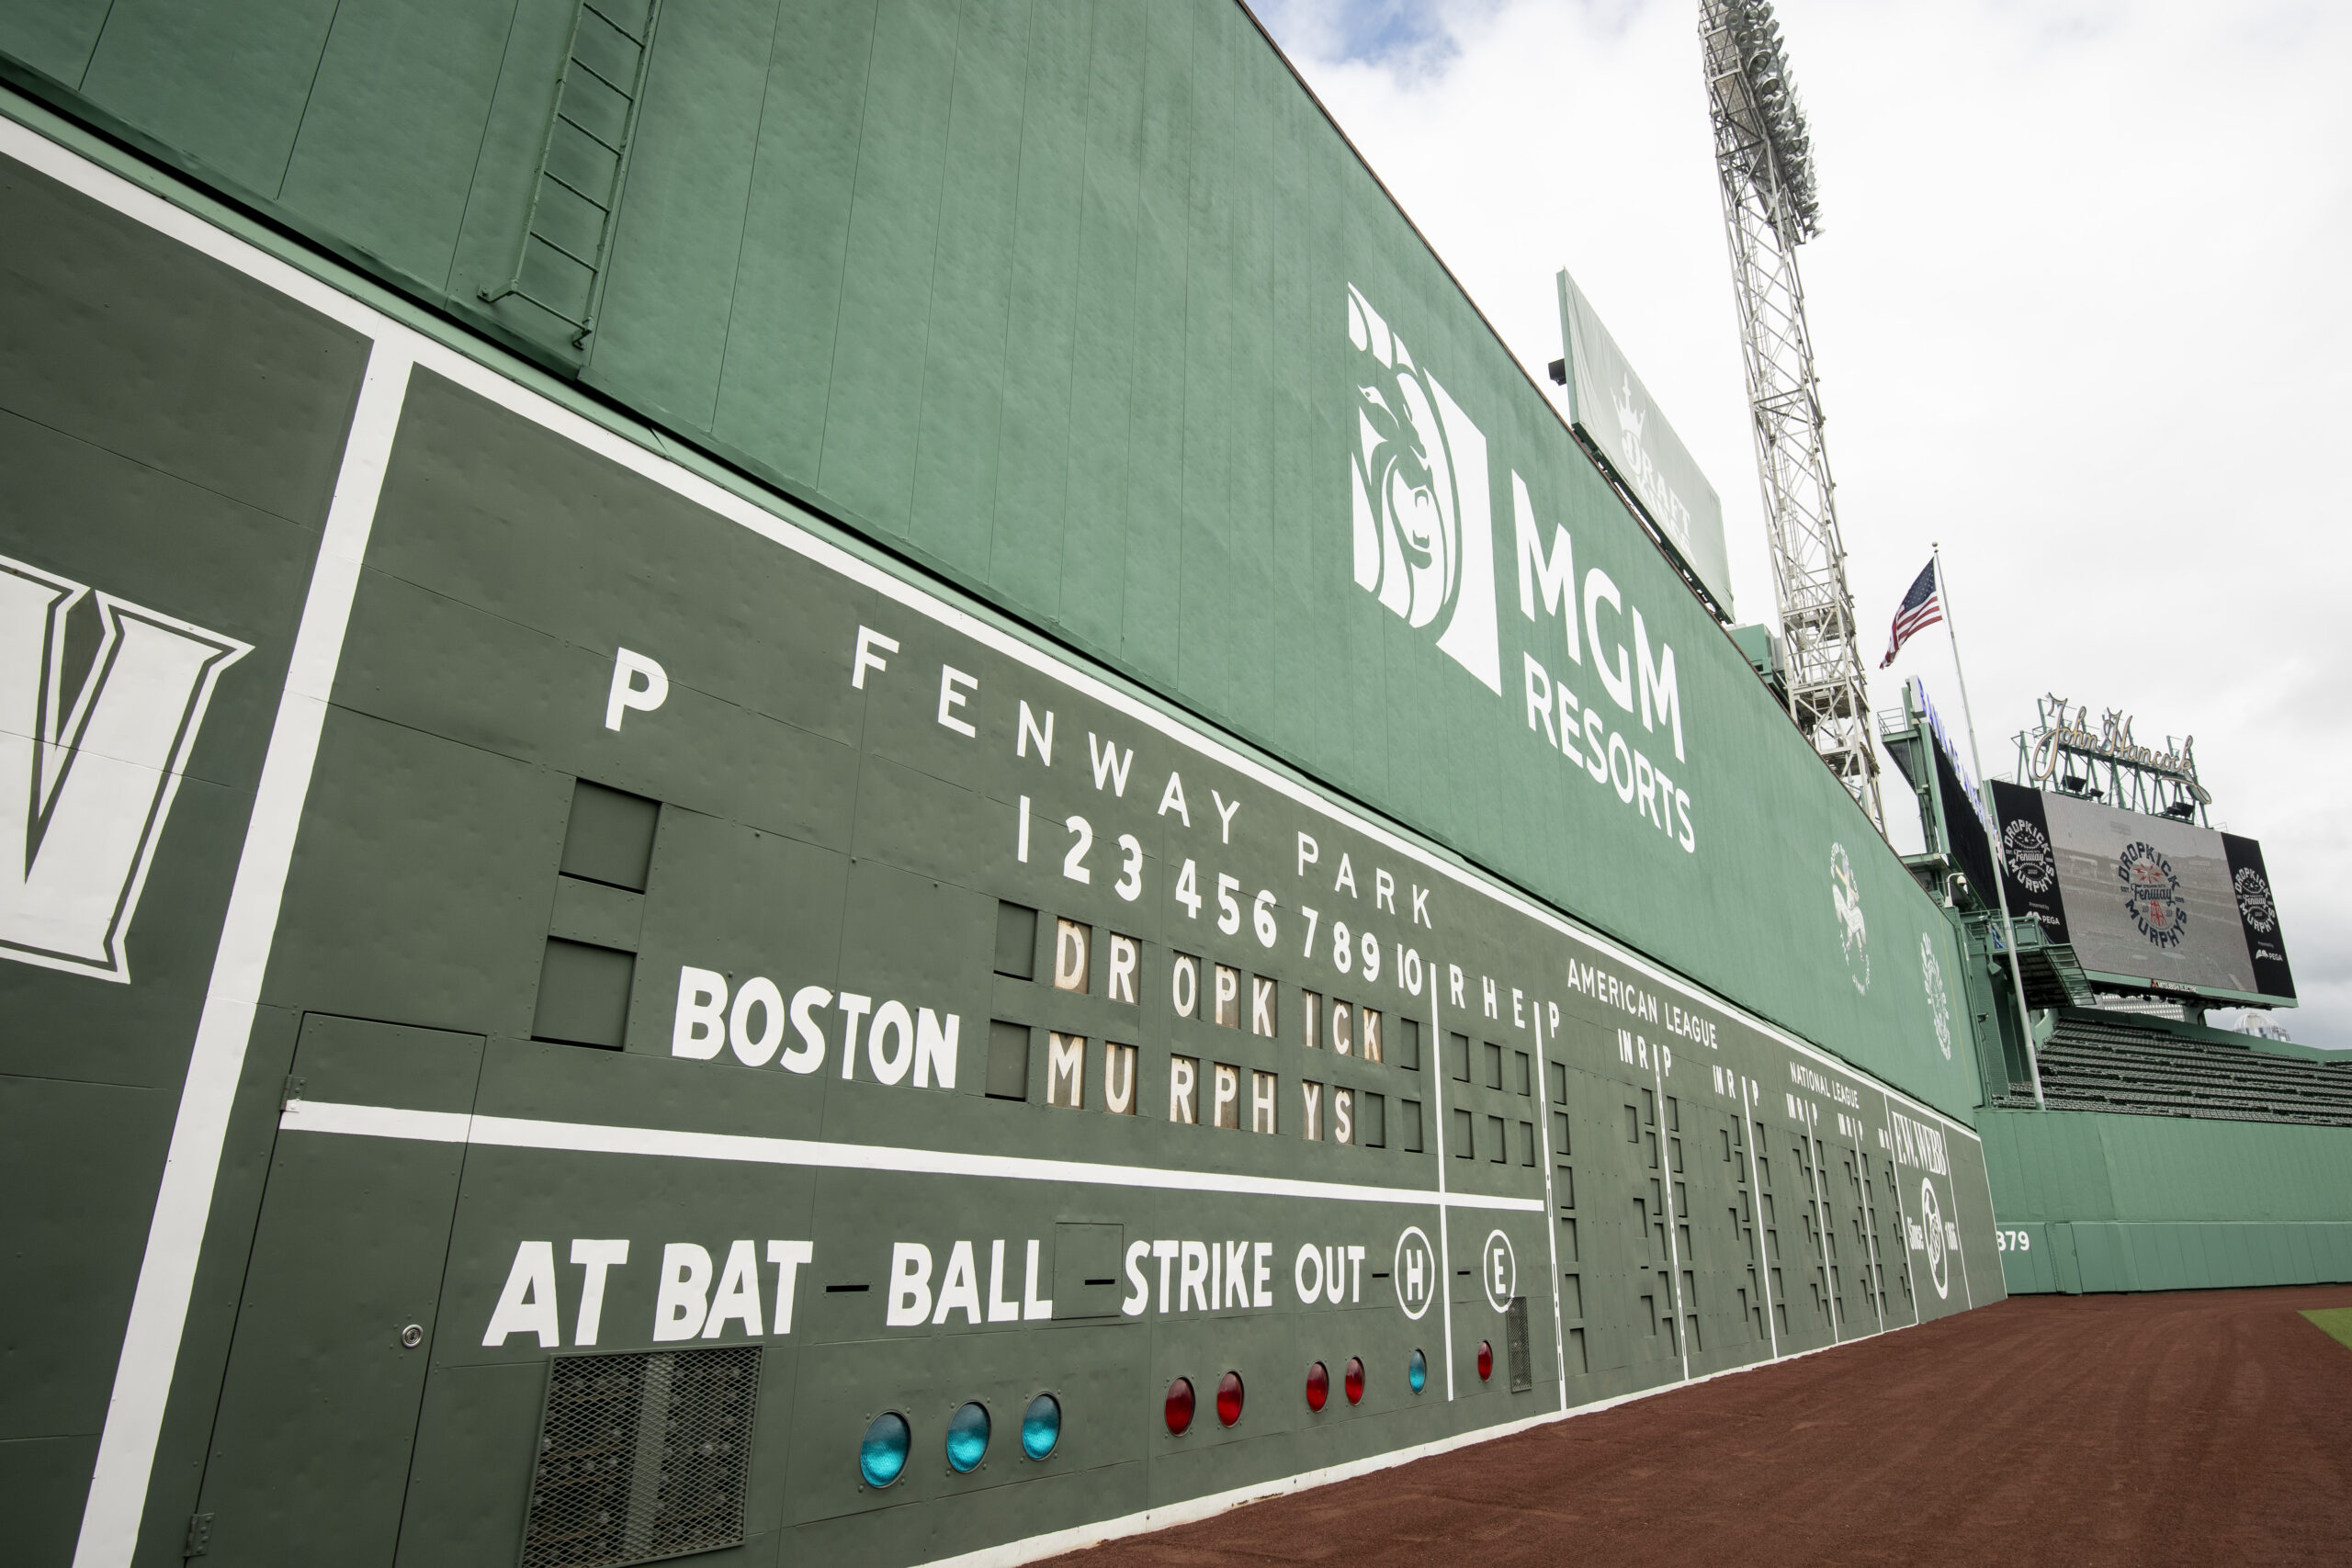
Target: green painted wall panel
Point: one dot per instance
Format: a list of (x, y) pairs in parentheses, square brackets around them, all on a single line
[(1151, 554), (1216, 610), (2161, 1202), (896, 249), (1088, 598), (55, 40), (234, 403), (70, 1145), (226, 84), (460, 890), (429, 67), (785, 305), (679, 235), (1028, 505), (51, 1467), (951, 514), (498, 190)]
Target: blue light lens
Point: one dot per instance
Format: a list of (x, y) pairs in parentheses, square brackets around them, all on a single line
[(1417, 1372), (967, 1436), (883, 1453), (1041, 1426)]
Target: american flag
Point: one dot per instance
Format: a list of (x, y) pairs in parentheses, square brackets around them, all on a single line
[(1921, 608)]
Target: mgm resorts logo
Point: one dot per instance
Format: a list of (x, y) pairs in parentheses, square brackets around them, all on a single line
[(88, 770), (1846, 900), (2261, 916), (1424, 542), (2025, 849), (1932, 972), (2152, 895)]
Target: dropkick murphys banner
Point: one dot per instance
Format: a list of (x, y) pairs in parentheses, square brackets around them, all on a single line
[(2266, 944), (2028, 865)]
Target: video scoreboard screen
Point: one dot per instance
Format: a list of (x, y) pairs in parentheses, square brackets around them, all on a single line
[(2143, 897)]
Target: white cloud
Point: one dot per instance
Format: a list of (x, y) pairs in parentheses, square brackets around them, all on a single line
[(2079, 309)]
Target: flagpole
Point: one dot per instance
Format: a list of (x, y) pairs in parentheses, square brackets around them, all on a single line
[(2000, 882)]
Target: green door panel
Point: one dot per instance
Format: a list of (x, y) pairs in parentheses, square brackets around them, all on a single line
[(309, 1454)]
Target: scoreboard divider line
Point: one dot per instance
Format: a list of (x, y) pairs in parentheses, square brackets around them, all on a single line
[(581, 1137)]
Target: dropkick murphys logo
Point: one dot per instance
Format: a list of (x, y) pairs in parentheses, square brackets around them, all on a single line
[(1424, 536), (1932, 972), (2152, 895), (2261, 916), (1845, 898), (88, 772), (2025, 849)]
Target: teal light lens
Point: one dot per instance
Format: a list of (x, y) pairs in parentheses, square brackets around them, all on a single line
[(883, 1453), (967, 1438), (1417, 1372), (1041, 1426)]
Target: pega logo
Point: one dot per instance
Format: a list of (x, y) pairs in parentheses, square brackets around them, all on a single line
[(2152, 895), (1846, 898), (1931, 971), (2261, 916), (1424, 542), (2025, 849), (87, 777)]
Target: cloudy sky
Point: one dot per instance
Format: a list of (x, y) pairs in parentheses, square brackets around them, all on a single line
[(2079, 307)]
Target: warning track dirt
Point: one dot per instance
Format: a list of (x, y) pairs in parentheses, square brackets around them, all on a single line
[(2196, 1427)]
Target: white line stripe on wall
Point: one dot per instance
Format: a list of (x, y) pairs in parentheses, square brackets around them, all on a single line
[(151, 1344), (663, 1143)]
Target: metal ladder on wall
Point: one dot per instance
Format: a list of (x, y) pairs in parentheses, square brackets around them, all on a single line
[(567, 236)]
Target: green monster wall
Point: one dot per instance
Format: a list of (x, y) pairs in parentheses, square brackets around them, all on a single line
[(385, 1144), (2088, 1201), (1079, 305)]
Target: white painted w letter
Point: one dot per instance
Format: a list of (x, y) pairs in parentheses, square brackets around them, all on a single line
[(84, 788)]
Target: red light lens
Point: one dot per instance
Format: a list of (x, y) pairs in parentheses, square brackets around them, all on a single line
[(1355, 1380), (1319, 1387), (1485, 1359), (1229, 1398), (1180, 1405)]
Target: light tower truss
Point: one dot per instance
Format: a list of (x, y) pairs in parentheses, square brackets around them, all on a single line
[(1763, 160)]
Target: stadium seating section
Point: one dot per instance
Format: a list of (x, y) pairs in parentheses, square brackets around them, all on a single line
[(2122, 1064)]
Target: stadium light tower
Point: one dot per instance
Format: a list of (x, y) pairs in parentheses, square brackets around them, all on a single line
[(1764, 161)]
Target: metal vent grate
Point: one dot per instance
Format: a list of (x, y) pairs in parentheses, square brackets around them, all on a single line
[(1522, 1371), (642, 1456)]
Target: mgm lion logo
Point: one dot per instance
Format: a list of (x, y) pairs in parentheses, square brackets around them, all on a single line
[(2025, 849), (1424, 535), (2152, 895), (1931, 970), (2261, 916), (1847, 900)]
